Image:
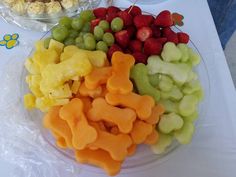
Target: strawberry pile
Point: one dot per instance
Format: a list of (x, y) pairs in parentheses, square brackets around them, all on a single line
[(142, 34)]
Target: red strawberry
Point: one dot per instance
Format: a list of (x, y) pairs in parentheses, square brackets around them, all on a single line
[(113, 49), (135, 10), (94, 23), (143, 20), (100, 12), (164, 19), (152, 47), (144, 33), (126, 17), (183, 37), (162, 40), (166, 31), (111, 16), (140, 57), (135, 46), (173, 38), (131, 31), (112, 9), (122, 38), (156, 31)]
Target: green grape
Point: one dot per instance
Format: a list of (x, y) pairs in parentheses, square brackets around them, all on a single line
[(101, 45), (80, 45), (65, 21), (98, 33), (87, 15), (108, 38), (59, 33), (79, 40), (90, 43), (77, 23), (81, 34), (46, 42), (88, 35), (73, 33), (69, 41), (86, 27), (117, 24), (104, 25)]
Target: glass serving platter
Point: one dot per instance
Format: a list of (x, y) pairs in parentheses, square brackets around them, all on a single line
[(144, 158)]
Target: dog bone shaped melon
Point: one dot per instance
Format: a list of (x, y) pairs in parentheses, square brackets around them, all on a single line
[(82, 133), (97, 77), (152, 138), (157, 111), (60, 127), (132, 149), (123, 118), (60, 141), (99, 158), (87, 103), (119, 81), (84, 91), (141, 104), (140, 131), (112, 143)]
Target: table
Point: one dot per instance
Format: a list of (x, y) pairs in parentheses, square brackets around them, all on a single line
[(213, 149)]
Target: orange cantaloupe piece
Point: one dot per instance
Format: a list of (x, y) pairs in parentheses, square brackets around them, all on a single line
[(97, 77), (152, 138), (140, 131), (141, 104), (82, 133), (119, 82), (93, 93), (99, 158), (122, 117), (60, 141), (87, 103), (59, 127), (114, 130), (112, 143), (132, 149), (157, 111)]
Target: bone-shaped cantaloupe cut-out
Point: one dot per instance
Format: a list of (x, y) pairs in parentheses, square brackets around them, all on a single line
[(132, 150), (122, 117), (60, 141), (93, 93), (87, 103), (97, 77), (82, 133), (140, 131), (119, 82), (99, 158), (59, 127), (153, 137), (116, 145), (141, 104), (157, 111)]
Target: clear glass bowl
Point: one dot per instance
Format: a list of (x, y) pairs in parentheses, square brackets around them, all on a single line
[(144, 157)]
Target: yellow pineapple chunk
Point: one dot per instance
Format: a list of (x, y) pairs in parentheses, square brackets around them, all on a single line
[(57, 46), (29, 101), (75, 87)]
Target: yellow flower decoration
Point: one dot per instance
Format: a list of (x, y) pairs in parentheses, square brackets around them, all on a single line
[(10, 41)]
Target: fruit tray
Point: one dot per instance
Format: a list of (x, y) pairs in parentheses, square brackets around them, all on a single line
[(92, 54)]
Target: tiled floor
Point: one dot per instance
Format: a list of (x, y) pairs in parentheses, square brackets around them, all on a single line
[(230, 53)]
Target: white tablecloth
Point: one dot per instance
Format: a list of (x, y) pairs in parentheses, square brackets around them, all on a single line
[(213, 149)]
